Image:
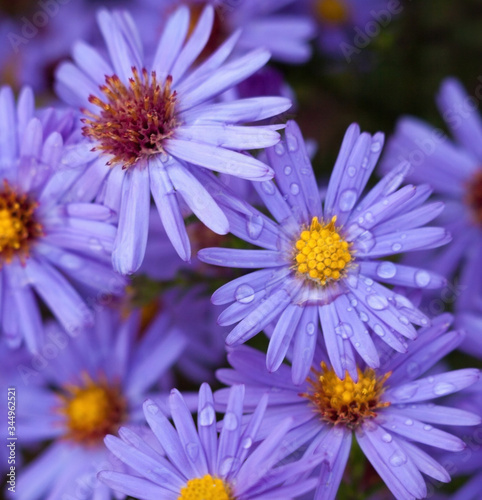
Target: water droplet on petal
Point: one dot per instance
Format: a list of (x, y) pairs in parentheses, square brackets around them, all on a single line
[(310, 328), (398, 458), (207, 415), (379, 330), (71, 261), (279, 149), (152, 408), (244, 294), (387, 438), (422, 278), (347, 200), (254, 226), (396, 247), (366, 241), (427, 427), (377, 302), (247, 443), (443, 388), (192, 450), (375, 147), (292, 142), (95, 245), (230, 421), (404, 320), (363, 317), (287, 170), (226, 466), (386, 270), (344, 330), (351, 171), (406, 392), (409, 421), (295, 189)]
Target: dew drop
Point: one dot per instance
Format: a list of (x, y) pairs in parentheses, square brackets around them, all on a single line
[(366, 241), (379, 330), (192, 450), (344, 330), (347, 200), (310, 328), (207, 415), (375, 147), (292, 142), (247, 443), (427, 427), (406, 392), (230, 421), (351, 171), (409, 421), (70, 261), (398, 459), (95, 245), (354, 302), (368, 281), (377, 302), (422, 278), (369, 217), (387, 438), (226, 466), (396, 247), (244, 294), (404, 320), (152, 408), (295, 189), (254, 226), (287, 170), (443, 388), (386, 270), (279, 149), (363, 317)]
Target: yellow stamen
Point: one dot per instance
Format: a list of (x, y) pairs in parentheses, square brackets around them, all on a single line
[(345, 401), (206, 488), (92, 410), (321, 253)]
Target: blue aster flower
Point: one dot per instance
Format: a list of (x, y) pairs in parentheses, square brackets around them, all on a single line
[(389, 410), (53, 246), (200, 465), (325, 265), (80, 389), (157, 121), (453, 169)]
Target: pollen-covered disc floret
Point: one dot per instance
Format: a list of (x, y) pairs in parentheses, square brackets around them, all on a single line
[(321, 253), (332, 11), (474, 196), (134, 120), (206, 488), (345, 401), (92, 411), (18, 226)]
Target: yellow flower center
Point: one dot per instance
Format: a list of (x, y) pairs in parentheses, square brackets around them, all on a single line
[(206, 488), (134, 120), (321, 253), (332, 11), (92, 411), (345, 401), (18, 227)]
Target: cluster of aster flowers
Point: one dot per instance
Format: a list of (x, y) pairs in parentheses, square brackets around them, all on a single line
[(131, 205)]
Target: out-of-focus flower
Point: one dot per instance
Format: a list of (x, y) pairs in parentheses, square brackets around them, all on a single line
[(199, 464), (86, 388), (157, 123), (389, 410), (454, 170), (52, 246), (320, 265)]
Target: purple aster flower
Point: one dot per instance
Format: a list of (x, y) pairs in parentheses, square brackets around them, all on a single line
[(157, 122), (200, 465), (270, 24), (453, 169), (79, 389), (52, 246), (389, 410), (321, 265)]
